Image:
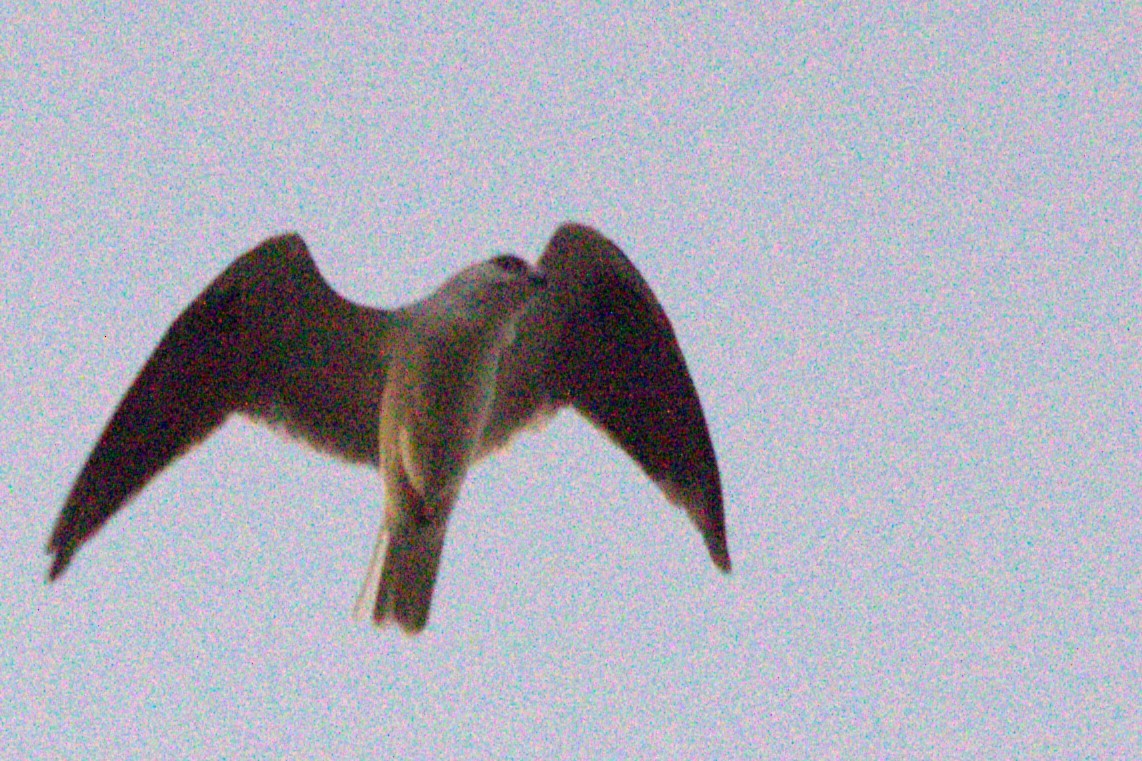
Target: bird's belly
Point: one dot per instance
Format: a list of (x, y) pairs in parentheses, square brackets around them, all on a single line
[(438, 437)]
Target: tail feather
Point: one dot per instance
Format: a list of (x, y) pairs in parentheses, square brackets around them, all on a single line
[(402, 575)]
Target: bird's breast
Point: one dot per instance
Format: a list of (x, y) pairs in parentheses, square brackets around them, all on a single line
[(438, 403)]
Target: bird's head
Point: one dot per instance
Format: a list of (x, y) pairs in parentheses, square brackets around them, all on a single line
[(495, 290)]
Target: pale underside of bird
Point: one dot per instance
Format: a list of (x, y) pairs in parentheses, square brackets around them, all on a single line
[(421, 392)]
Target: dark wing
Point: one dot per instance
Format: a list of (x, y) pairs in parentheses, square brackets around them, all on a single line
[(597, 339), (269, 338)]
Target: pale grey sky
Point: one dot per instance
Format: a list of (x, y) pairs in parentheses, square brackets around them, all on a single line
[(901, 251)]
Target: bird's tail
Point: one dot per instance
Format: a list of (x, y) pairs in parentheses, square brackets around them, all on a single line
[(401, 576)]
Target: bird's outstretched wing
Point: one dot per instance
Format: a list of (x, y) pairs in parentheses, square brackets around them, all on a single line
[(269, 338), (598, 340)]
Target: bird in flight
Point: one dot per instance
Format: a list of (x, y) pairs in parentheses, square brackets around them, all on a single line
[(421, 392)]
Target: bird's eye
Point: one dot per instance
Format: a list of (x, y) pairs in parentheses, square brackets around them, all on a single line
[(512, 264)]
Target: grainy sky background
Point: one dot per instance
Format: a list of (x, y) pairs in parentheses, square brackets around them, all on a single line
[(901, 251)]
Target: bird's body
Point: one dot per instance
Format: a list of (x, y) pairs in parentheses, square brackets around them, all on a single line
[(438, 396), (421, 392)]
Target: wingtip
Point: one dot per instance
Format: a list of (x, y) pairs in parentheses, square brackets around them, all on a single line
[(61, 546), (59, 563), (720, 554)]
